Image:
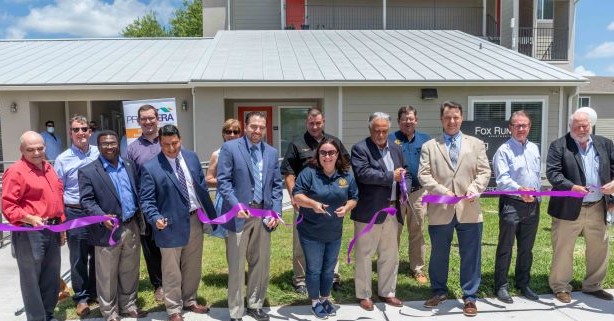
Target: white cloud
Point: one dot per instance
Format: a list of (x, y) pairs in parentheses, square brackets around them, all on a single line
[(604, 50), (580, 70), (86, 18), (611, 26)]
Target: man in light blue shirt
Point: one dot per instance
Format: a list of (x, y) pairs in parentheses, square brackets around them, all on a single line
[(53, 143), (517, 167), (67, 165)]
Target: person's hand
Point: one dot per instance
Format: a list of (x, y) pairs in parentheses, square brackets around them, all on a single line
[(294, 204), (608, 188), (580, 189), (527, 198), (243, 214), (340, 211), (450, 193), (161, 223), (33, 220), (398, 173), (272, 224), (109, 223), (471, 197), (320, 208)]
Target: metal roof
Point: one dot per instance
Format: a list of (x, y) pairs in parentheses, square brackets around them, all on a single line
[(599, 85), (296, 57), (99, 61)]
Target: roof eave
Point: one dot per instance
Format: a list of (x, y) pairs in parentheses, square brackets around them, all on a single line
[(286, 83), (97, 86)]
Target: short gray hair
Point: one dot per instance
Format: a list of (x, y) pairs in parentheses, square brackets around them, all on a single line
[(575, 115), (377, 116)]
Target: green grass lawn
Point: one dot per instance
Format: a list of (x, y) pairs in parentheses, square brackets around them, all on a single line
[(214, 277)]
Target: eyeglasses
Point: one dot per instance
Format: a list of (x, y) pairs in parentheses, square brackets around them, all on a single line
[(232, 132), (146, 119), (330, 153), (108, 145), (521, 126), (83, 129)]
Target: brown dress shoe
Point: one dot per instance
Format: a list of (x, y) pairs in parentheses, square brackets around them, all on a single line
[(601, 294), (82, 309), (391, 301), (159, 295), (420, 278), (366, 304), (563, 296), (197, 308), (470, 310), (175, 317), (138, 313), (435, 300)]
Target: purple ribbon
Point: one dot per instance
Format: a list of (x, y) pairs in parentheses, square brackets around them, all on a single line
[(388, 210), (403, 185), (68, 225), (228, 216), (450, 200)]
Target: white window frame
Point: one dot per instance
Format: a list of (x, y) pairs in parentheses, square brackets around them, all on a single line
[(537, 4), (580, 101), (508, 112)]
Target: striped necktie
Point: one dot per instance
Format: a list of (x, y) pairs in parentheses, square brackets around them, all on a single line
[(257, 175), (453, 152), (181, 177)]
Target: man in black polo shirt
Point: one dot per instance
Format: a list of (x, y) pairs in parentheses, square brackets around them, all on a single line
[(299, 151)]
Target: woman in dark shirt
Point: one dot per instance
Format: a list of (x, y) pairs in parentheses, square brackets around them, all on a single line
[(325, 191)]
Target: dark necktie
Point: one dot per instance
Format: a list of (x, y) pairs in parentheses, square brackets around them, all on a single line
[(181, 178), (256, 174), (453, 152)]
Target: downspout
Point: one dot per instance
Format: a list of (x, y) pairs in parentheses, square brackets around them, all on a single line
[(570, 103), (228, 14), (484, 18), (194, 118), (384, 14), (283, 14)]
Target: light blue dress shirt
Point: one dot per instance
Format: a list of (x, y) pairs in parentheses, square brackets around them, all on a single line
[(53, 145), (517, 165), (590, 160), (121, 182), (385, 152), (67, 167)]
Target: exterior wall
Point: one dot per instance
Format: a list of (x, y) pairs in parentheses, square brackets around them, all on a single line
[(34, 107), (255, 14), (214, 16), (509, 34), (603, 104)]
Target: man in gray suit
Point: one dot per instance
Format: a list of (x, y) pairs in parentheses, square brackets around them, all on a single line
[(248, 173), (107, 186), (378, 169)]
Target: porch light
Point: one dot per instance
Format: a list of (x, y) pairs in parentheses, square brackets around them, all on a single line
[(13, 107)]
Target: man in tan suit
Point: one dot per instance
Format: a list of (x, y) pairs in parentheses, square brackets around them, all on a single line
[(454, 164)]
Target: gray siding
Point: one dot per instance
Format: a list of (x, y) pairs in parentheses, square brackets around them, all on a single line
[(255, 14), (507, 13)]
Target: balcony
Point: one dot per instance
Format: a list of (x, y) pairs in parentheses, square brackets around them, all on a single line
[(467, 19), (548, 44)]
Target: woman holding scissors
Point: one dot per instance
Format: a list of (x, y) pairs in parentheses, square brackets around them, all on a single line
[(325, 191)]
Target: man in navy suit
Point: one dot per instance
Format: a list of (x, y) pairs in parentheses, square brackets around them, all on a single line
[(248, 173), (172, 189), (107, 186), (378, 169)]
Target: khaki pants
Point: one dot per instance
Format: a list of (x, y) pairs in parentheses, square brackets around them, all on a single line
[(414, 219), (591, 225), (383, 240)]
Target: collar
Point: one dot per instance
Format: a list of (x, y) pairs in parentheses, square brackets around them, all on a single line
[(250, 144), (456, 137), (172, 160), (76, 149), (106, 164), (517, 143), (32, 167), (143, 139)]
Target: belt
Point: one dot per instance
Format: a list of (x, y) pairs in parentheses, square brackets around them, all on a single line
[(589, 204), (77, 206), (192, 212), (253, 204)]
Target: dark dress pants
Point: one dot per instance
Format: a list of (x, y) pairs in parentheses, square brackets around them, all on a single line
[(470, 249), (38, 260), (153, 257), (82, 263), (517, 221)]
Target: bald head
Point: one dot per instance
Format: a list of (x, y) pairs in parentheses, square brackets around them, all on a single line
[(32, 148)]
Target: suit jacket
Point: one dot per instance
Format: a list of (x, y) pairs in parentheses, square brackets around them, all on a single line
[(99, 197), (374, 180), (438, 176), (564, 168), (161, 197), (236, 184)]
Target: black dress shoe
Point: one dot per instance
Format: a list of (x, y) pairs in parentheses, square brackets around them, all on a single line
[(601, 294), (504, 296), (236, 319), (258, 314), (528, 293)]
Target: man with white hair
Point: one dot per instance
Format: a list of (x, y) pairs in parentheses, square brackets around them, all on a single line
[(584, 163)]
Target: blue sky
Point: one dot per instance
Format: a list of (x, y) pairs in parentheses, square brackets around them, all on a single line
[(36, 19)]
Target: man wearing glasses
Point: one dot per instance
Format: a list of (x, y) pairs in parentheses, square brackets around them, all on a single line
[(67, 165), (300, 150), (140, 151)]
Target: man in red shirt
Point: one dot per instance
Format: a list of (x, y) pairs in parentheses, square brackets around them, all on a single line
[(32, 196)]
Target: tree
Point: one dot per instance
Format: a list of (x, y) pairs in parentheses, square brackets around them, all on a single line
[(186, 21), (146, 26)]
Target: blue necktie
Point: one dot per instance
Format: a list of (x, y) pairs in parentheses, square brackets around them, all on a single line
[(256, 174), (453, 151), (181, 178)]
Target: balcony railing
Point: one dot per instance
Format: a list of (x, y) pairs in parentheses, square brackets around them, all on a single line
[(467, 19), (549, 44)]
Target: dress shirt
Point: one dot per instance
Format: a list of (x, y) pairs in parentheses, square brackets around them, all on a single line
[(67, 167), (53, 145), (590, 160), (517, 165), (121, 182), (457, 138), (258, 155), (141, 150), (411, 151), (385, 152), (194, 203), (28, 190)]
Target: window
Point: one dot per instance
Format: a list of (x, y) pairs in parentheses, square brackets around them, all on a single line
[(545, 9), (584, 102)]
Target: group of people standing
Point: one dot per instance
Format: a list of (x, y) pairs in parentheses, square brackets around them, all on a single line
[(156, 191)]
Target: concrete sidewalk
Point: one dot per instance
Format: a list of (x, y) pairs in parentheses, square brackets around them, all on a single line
[(582, 307)]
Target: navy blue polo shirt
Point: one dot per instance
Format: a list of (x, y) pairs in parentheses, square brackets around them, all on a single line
[(411, 151), (333, 191)]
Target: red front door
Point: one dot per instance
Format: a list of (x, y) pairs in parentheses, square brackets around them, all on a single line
[(295, 13)]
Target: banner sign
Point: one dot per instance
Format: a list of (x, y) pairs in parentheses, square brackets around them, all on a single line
[(167, 115)]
